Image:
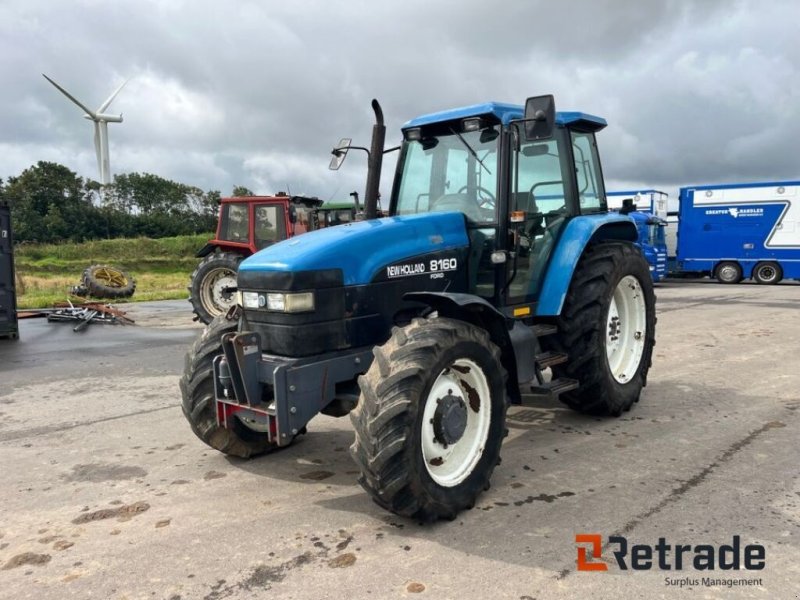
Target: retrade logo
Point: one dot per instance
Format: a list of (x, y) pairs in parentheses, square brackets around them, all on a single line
[(665, 556), (597, 547)]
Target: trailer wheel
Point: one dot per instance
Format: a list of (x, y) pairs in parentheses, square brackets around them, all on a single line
[(728, 272), (607, 327), (768, 273), (430, 419), (197, 390), (210, 289)]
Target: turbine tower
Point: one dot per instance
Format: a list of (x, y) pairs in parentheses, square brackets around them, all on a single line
[(101, 121)]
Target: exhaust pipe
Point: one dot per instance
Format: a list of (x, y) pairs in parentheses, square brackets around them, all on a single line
[(374, 164)]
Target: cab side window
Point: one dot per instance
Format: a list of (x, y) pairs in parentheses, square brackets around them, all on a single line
[(591, 194)]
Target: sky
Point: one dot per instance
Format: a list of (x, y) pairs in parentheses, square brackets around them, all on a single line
[(258, 93)]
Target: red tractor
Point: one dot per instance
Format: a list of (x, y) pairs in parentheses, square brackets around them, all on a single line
[(246, 225)]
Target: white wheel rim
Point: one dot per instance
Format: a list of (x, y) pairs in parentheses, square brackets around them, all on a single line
[(626, 329), (450, 464), (212, 292)]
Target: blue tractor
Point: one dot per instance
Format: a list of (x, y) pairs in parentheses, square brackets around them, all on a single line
[(498, 277)]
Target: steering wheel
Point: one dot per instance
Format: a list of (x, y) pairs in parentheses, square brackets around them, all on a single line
[(488, 197)]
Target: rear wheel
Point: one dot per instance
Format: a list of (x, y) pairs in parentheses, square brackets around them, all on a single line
[(607, 327), (213, 284), (103, 281), (197, 390), (768, 273), (728, 272), (430, 420)]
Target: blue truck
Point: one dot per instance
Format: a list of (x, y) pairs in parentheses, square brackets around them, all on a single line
[(739, 231), (652, 241), (647, 208)]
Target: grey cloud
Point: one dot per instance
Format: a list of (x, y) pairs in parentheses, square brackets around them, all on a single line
[(257, 93)]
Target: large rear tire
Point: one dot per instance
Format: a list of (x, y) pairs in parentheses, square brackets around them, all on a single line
[(103, 281), (430, 419), (607, 327), (197, 390), (209, 290)]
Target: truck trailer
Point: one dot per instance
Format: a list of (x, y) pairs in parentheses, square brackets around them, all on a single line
[(651, 201), (739, 231)]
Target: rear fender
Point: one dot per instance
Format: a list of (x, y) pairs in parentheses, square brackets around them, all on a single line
[(479, 312), (579, 233)]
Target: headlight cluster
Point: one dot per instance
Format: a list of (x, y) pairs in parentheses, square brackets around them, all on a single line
[(279, 301)]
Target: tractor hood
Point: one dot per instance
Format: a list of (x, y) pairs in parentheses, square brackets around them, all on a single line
[(359, 250)]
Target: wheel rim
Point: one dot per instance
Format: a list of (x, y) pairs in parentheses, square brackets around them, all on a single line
[(212, 291), (463, 382), (767, 273), (626, 329), (110, 277), (727, 273)]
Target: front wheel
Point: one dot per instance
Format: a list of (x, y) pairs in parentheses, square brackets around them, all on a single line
[(199, 405), (430, 419), (607, 327)]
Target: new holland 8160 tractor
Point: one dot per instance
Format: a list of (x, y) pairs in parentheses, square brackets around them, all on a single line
[(498, 275)]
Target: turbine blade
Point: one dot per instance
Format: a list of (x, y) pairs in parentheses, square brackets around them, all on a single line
[(106, 104), (97, 149), (70, 96)]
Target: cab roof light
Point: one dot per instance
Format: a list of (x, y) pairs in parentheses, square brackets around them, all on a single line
[(414, 134), (472, 124)]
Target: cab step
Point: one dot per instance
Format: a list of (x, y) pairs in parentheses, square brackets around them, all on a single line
[(550, 359), (542, 329), (555, 387)]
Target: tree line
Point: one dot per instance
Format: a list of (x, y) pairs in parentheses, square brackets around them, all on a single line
[(51, 204)]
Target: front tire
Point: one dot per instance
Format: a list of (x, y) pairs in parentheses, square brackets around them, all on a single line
[(209, 290), (199, 407), (607, 327), (430, 419)]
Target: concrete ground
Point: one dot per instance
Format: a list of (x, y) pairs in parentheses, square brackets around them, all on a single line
[(106, 493)]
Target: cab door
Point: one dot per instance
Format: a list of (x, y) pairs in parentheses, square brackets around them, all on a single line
[(553, 180)]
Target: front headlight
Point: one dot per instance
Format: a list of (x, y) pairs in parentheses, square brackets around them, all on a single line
[(252, 299), (290, 303)]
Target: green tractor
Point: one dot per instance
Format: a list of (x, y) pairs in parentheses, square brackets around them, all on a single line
[(497, 277)]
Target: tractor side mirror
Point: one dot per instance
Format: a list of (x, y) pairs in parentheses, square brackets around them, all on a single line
[(292, 213), (339, 153), (540, 117)]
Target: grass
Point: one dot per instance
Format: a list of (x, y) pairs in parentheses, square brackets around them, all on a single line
[(161, 267)]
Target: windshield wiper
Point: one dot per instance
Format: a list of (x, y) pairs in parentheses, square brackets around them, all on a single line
[(471, 150)]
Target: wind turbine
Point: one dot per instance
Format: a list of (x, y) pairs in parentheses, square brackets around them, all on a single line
[(101, 121)]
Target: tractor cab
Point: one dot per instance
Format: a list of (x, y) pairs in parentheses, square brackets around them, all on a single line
[(517, 191), (251, 223)]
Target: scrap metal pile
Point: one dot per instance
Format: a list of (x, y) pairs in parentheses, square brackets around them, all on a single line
[(82, 314)]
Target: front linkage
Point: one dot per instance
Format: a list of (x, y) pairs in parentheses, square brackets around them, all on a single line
[(277, 395)]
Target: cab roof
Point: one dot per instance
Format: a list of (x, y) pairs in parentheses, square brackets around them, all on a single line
[(504, 113)]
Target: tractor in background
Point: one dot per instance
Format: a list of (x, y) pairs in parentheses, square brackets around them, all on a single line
[(499, 276), (246, 225)]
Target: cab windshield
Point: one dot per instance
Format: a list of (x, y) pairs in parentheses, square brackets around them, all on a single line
[(455, 172)]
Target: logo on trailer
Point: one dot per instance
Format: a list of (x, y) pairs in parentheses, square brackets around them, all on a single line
[(736, 212)]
